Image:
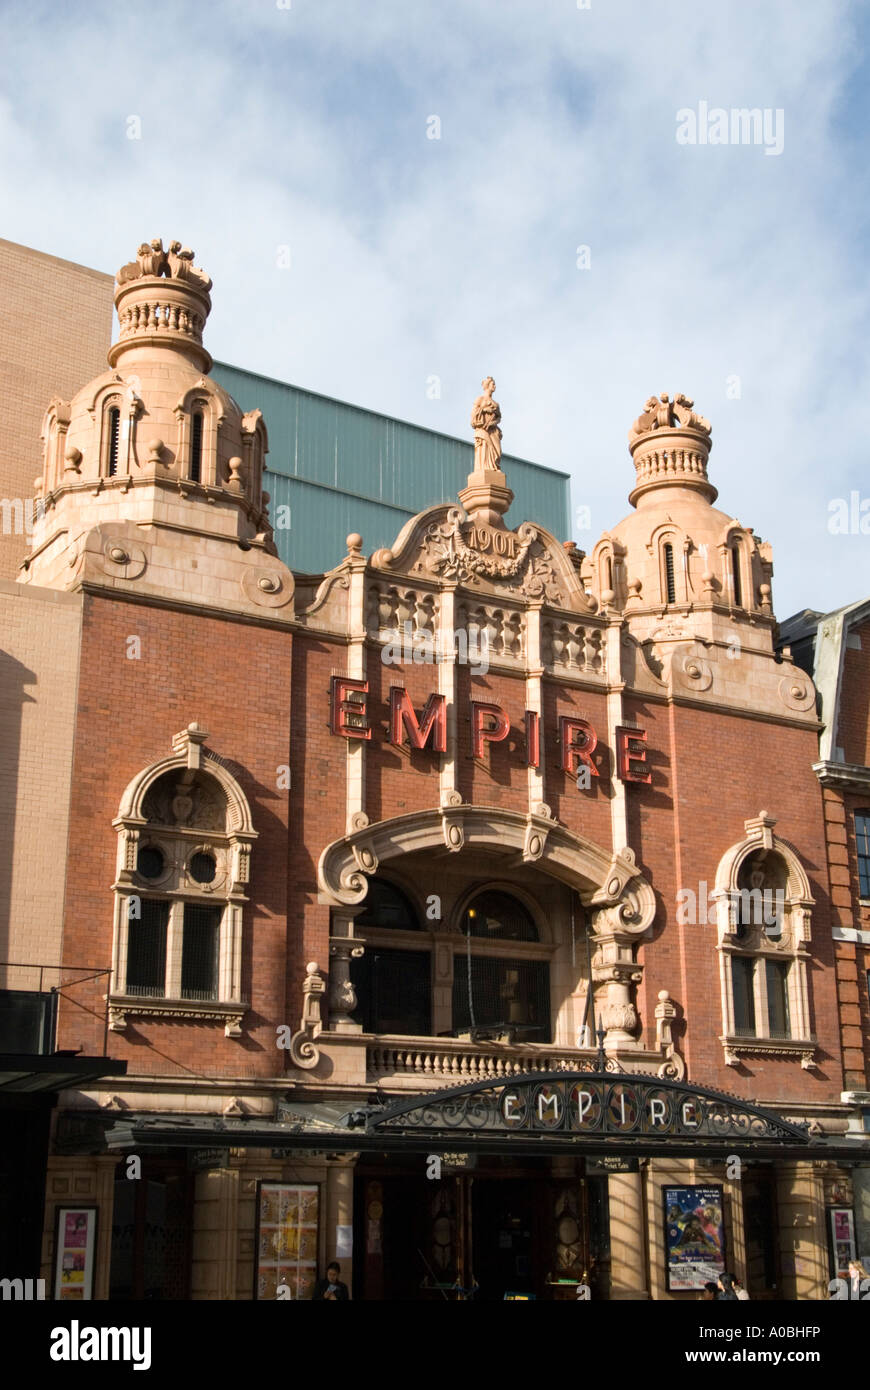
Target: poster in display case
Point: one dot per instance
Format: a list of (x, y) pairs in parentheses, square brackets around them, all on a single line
[(287, 1239)]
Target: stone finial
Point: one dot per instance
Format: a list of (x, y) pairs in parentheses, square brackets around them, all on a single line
[(152, 260), (162, 300), (670, 444), (660, 412), (485, 417)]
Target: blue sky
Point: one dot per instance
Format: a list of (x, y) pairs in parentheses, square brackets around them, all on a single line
[(306, 127)]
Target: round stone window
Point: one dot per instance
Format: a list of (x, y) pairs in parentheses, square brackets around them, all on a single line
[(150, 862), (203, 867)]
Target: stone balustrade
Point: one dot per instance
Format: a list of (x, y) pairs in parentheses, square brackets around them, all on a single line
[(452, 1060)]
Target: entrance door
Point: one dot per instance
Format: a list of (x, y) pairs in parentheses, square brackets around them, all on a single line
[(506, 1237), (151, 1223)]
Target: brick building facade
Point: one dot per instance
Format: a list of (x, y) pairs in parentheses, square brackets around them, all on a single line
[(470, 908)]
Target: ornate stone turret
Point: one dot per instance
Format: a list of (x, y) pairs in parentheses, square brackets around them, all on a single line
[(155, 445), (692, 584)]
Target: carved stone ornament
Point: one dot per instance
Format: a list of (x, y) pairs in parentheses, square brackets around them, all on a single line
[(303, 1051), (660, 412), (451, 557), (176, 264), (267, 588)]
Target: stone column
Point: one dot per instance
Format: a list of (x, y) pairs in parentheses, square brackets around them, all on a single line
[(215, 1235), (339, 1210), (343, 948), (628, 1237), (802, 1237)]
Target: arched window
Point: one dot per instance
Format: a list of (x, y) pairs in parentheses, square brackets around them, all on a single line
[(736, 584), (485, 988), (387, 908), (184, 847), (196, 424), (670, 581), (392, 985), (112, 443), (495, 914), (763, 907), (495, 994)]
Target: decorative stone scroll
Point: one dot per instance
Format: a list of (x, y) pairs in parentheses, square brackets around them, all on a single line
[(303, 1050)]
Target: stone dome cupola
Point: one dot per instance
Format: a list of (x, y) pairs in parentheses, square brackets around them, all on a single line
[(153, 444), (677, 558)]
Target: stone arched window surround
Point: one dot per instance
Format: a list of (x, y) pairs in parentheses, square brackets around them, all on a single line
[(55, 424), (608, 568), (733, 534), (754, 943), (120, 395), (619, 902), (205, 398), (669, 533), (255, 442), (231, 848)]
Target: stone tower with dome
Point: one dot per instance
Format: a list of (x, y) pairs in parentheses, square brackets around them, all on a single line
[(691, 583), (152, 474)]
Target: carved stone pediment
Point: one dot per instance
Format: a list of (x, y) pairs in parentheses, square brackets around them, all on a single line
[(444, 543)]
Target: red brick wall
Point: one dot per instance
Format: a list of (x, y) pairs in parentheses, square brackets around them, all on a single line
[(586, 813), (711, 772), (398, 780), (234, 679)]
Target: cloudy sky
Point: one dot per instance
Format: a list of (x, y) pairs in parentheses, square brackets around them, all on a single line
[(734, 275)]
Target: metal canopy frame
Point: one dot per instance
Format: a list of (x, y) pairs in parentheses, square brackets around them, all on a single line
[(464, 1119), (578, 1106)]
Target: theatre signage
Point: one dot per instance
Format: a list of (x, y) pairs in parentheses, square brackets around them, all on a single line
[(490, 723), (593, 1104)]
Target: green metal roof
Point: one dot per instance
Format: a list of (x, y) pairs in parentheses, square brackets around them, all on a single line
[(340, 468)]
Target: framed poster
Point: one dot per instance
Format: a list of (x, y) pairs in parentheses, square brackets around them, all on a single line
[(694, 1236), (75, 1242), (841, 1228), (287, 1240)]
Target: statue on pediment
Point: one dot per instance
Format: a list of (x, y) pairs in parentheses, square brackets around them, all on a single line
[(485, 417)]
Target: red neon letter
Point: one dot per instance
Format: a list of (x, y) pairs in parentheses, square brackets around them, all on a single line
[(345, 707), (626, 755), (533, 738), (480, 735), (573, 754), (403, 716)]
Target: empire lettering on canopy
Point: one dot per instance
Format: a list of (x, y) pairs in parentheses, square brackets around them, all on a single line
[(490, 723), (615, 1108)]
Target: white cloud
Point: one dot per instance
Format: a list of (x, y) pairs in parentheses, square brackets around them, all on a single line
[(263, 127)]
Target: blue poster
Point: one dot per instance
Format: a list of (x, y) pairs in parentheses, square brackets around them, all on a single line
[(694, 1236)]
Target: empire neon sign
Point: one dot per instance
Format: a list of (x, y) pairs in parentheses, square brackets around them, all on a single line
[(577, 738)]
